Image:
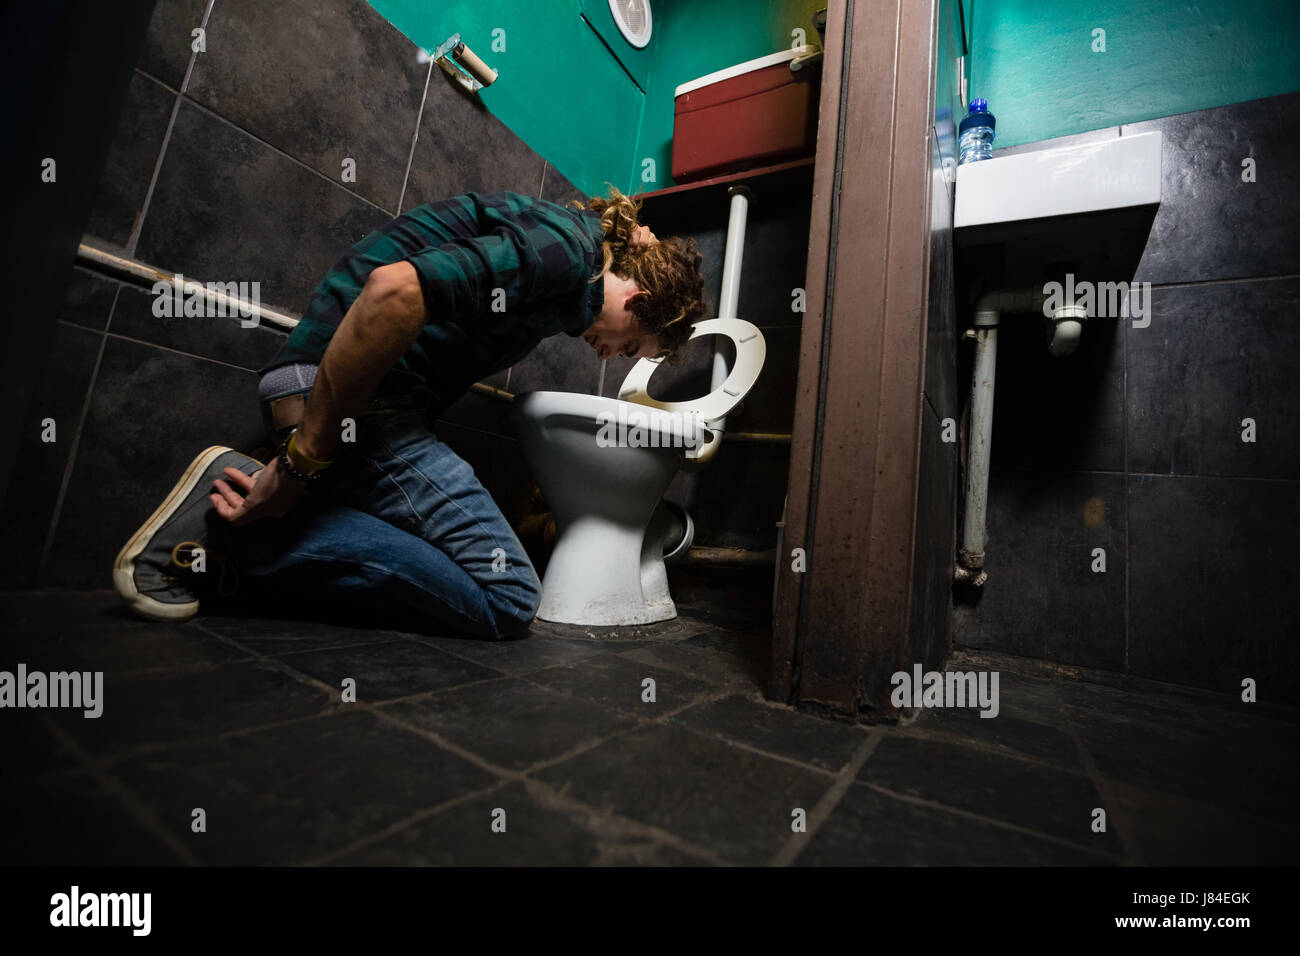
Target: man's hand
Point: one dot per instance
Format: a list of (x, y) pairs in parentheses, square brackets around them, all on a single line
[(268, 494)]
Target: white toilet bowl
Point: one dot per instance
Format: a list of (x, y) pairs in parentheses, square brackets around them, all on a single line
[(603, 464)]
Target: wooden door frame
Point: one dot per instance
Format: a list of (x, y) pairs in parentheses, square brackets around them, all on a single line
[(840, 627)]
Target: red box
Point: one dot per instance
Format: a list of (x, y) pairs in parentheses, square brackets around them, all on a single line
[(753, 114)]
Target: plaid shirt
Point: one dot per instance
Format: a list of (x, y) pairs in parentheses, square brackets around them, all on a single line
[(540, 256)]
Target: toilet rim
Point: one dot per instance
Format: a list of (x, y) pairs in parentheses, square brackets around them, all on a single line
[(751, 353)]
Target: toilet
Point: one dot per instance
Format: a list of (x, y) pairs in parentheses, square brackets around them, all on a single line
[(603, 464)]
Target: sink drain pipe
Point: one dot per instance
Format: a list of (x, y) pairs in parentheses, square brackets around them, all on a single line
[(1064, 335)]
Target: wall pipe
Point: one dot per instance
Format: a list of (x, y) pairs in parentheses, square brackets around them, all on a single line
[(970, 557)]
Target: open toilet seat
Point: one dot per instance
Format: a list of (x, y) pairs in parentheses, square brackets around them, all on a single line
[(751, 352)]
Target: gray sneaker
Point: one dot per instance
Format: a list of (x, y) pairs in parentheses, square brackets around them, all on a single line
[(153, 571)]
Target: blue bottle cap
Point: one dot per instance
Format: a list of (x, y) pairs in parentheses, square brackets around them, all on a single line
[(979, 105)]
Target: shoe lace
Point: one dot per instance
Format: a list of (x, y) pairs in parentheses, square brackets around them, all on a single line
[(186, 553)]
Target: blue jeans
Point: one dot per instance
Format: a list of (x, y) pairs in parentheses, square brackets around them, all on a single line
[(398, 520)]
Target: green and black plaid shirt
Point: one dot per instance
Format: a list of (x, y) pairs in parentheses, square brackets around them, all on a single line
[(540, 256)]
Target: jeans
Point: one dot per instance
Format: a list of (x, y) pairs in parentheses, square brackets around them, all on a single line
[(398, 520)]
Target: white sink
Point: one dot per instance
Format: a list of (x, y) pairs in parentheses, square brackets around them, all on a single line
[(1111, 174)]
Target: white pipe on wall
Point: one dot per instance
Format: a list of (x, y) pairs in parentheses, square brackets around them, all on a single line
[(729, 297)]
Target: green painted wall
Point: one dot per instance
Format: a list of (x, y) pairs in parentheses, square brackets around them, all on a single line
[(559, 89), (594, 115), (1033, 60)]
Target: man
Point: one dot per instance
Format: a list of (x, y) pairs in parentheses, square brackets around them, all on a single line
[(408, 319)]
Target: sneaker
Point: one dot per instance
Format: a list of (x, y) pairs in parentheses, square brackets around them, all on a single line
[(152, 569)]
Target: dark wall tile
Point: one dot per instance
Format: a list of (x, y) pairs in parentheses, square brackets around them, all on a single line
[(229, 208), (1042, 599), (769, 406), (1211, 583), (169, 42), (463, 148), (219, 337), (88, 299), (1211, 225), (934, 548), (29, 502), (322, 81), (1051, 412), (736, 498), (557, 188), (560, 363), (131, 159), (151, 412), (1213, 356)]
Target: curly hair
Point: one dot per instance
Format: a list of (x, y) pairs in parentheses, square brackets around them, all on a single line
[(667, 270)]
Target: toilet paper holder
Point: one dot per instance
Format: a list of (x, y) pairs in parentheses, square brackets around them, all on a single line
[(462, 65)]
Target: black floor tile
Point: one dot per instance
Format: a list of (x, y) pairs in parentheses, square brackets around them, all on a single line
[(275, 636), (518, 656), (169, 43), (1163, 830), (617, 683), (29, 746), (295, 793), (161, 708), (868, 828), (732, 802), (1238, 772), (118, 650), (45, 611), (534, 835), (512, 723), (385, 671), (776, 730), (74, 821), (707, 665), (1010, 735), (1029, 795)]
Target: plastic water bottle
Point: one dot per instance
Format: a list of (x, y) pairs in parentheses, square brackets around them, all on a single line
[(977, 131)]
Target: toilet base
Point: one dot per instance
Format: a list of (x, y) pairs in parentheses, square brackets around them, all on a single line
[(604, 575)]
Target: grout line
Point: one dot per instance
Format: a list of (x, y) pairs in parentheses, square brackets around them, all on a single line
[(168, 348), (541, 187), (133, 240), (66, 479), (990, 821), (1109, 799), (821, 811), (1191, 283), (289, 156), (415, 137), (124, 794)]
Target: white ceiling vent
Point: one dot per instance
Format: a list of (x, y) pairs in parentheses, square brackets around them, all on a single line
[(633, 20)]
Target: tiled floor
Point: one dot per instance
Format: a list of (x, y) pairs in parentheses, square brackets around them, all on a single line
[(545, 751)]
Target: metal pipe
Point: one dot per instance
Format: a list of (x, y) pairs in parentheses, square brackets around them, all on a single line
[(970, 558), (729, 297)]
